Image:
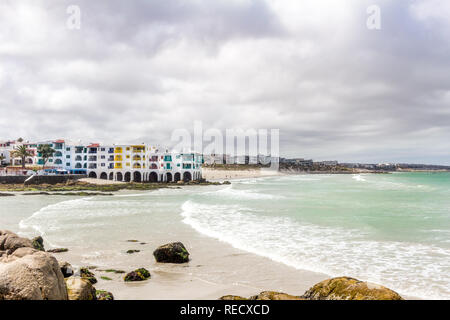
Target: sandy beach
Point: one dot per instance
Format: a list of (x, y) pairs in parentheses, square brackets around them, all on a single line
[(222, 174)]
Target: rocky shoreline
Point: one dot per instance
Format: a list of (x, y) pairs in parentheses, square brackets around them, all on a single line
[(28, 272), (78, 188)]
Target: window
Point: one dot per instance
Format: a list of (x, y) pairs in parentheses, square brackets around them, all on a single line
[(67, 164), (103, 164), (67, 149), (68, 156), (102, 149), (103, 157)]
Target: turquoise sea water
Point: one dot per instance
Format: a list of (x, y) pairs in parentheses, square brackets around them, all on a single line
[(391, 229)]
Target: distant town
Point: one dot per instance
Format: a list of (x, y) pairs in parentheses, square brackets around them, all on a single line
[(144, 162)]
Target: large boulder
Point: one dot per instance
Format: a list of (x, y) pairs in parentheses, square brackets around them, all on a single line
[(29, 274), (80, 289), (174, 252), (344, 288), (10, 242), (272, 295)]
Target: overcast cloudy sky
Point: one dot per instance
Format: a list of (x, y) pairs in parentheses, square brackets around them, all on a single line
[(136, 70)]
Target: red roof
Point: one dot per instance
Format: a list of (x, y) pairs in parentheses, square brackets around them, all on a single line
[(94, 145), (59, 141)]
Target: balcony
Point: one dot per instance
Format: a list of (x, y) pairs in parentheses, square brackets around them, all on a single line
[(92, 158), (137, 158), (118, 150), (136, 166), (92, 166), (111, 158), (118, 158), (118, 165)]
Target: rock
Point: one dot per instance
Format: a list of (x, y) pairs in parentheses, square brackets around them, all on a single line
[(85, 273), (344, 288), (104, 295), (66, 269), (58, 250), (38, 243), (80, 289), (137, 275), (133, 251), (172, 253), (226, 182), (29, 274), (132, 240), (230, 297), (10, 242), (6, 194), (180, 182), (272, 295)]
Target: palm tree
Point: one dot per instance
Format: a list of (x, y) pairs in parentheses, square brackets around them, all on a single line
[(45, 152), (21, 152)]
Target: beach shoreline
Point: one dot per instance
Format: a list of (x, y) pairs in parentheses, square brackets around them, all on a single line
[(216, 268)]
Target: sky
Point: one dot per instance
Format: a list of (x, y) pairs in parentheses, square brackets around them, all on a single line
[(137, 70)]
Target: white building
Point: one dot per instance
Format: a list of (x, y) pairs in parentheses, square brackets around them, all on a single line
[(140, 163)]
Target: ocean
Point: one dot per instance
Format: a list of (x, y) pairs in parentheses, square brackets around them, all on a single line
[(391, 229)]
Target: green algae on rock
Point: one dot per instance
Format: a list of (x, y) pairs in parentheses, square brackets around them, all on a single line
[(104, 295), (140, 274)]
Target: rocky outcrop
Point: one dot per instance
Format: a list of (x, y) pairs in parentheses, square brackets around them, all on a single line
[(66, 269), (265, 295), (85, 273), (231, 297), (10, 242), (344, 288), (104, 295), (38, 243), (80, 289), (272, 295), (137, 275), (29, 274), (172, 253)]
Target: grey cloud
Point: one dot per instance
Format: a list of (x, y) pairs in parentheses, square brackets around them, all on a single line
[(136, 71)]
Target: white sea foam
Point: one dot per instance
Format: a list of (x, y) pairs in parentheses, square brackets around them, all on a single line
[(358, 177), (413, 269)]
